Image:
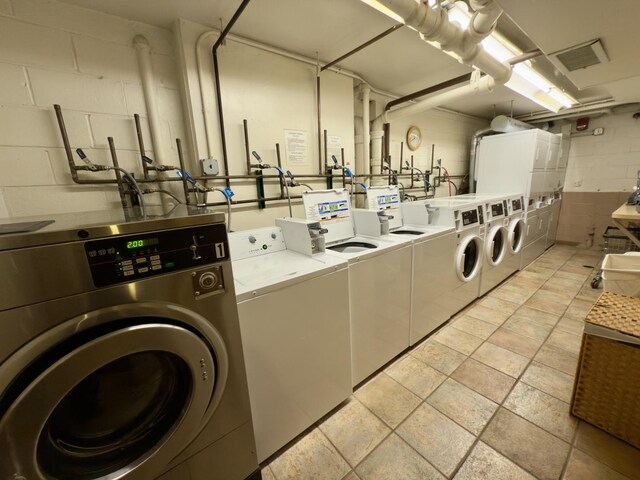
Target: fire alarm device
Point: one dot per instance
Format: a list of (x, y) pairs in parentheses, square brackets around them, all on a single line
[(582, 124)]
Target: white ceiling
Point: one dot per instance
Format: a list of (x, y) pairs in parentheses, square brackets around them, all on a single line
[(401, 62)]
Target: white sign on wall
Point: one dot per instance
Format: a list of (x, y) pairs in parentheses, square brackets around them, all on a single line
[(296, 147), (334, 145)]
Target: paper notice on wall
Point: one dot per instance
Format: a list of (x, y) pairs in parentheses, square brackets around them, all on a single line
[(296, 147), (334, 147)]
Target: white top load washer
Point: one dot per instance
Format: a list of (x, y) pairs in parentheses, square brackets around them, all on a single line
[(379, 281), (433, 247), (297, 351), (467, 217)]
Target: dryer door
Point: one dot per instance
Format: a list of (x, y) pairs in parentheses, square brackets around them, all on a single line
[(117, 400), (468, 258), (517, 229), (496, 245)]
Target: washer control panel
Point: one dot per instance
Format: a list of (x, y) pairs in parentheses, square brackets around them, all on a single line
[(131, 257)]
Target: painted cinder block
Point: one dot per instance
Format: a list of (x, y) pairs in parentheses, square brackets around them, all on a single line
[(29, 201), (76, 91), (25, 166), (25, 44), (121, 128), (106, 59), (15, 88)]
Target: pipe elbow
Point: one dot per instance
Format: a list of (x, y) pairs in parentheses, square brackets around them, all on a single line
[(140, 42)]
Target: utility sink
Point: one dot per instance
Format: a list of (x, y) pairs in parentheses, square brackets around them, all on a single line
[(352, 247)]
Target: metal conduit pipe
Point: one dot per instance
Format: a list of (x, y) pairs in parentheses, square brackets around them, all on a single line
[(143, 54), (366, 131)]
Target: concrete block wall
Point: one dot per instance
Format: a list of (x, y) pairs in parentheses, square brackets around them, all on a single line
[(450, 133), (601, 174), (84, 60)]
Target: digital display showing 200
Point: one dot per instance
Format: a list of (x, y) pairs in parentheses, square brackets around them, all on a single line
[(146, 242)]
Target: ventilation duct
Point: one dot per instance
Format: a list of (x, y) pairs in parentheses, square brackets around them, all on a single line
[(579, 56)]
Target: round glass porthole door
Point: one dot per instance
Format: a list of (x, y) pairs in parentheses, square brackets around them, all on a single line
[(114, 416), (516, 235), (468, 258), (119, 405), (496, 245)]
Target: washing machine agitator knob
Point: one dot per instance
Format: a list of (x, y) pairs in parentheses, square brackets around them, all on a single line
[(208, 280), (274, 236), (252, 239)]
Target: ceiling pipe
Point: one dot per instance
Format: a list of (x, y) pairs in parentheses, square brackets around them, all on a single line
[(596, 108)]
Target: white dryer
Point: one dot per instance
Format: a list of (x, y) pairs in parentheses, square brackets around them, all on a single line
[(535, 234), (556, 202), (433, 247), (379, 281), (294, 320), (467, 217), (516, 230)]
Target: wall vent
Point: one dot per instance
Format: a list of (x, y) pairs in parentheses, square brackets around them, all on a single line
[(579, 56)]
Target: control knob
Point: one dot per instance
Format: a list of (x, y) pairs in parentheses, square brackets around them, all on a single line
[(208, 280)]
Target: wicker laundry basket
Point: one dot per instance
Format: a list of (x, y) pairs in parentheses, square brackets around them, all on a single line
[(606, 392)]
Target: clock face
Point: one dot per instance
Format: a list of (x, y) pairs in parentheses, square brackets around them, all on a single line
[(414, 138)]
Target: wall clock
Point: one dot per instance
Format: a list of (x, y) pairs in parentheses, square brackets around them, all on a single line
[(414, 138)]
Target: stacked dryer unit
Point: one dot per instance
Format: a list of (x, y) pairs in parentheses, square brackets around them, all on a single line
[(379, 279), (527, 161), (297, 352), (433, 250), (556, 202)]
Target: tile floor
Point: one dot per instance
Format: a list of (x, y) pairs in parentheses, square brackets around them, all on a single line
[(486, 397)]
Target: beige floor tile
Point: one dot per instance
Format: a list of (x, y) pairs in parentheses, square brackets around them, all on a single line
[(566, 341), (437, 438), (549, 380), (439, 356), (496, 304), (557, 358), (488, 314), (527, 327), (354, 430), (514, 342), (581, 466), (543, 272), (351, 476), (267, 474), (554, 287), (464, 406), (545, 411), (577, 269), (485, 463), (569, 325), (312, 456), (474, 326), (571, 274), (563, 298), (609, 450), (540, 303), (578, 309), (526, 444), (458, 340), (523, 279), (589, 294), (394, 458), (501, 359), (512, 294), (415, 375), (483, 379), (544, 318), (389, 400)]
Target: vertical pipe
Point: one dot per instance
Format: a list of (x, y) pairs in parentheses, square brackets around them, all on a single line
[(281, 178), (382, 157), (246, 147), (387, 140), (145, 170), (114, 159), (260, 188), (389, 164), (366, 130), (401, 153), (143, 52), (326, 151), (411, 171), (65, 142), (320, 168), (342, 163), (223, 136), (185, 185)]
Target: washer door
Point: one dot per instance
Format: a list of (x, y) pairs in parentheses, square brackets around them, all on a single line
[(115, 401), (516, 235), (496, 245), (468, 258)]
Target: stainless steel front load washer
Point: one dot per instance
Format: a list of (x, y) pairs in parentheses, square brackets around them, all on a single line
[(120, 352)]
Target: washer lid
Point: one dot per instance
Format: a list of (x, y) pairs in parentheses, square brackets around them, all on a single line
[(386, 198), (332, 208)]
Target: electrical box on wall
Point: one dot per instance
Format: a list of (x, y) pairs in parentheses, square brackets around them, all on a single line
[(210, 166)]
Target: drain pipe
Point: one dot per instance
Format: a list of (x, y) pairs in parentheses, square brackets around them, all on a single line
[(366, 131), (143, 53)]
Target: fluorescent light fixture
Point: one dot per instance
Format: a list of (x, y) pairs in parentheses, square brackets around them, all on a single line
[(524, 79)]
